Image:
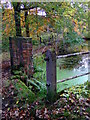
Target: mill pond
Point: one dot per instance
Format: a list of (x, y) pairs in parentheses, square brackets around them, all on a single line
[(82, 67)]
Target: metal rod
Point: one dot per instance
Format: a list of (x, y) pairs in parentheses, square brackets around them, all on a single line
[(73, 54), (63, 80)]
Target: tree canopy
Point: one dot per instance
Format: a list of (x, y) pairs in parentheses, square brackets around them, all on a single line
[(69, 19)]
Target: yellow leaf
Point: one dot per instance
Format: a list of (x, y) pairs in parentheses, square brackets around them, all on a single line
[(17, 102)]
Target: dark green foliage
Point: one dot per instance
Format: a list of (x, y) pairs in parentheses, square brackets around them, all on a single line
[(5, 44), (35, 85), (15, 77), (38, 62), (88, 84), (19, 74), (24, 95), (35, 42), (73, 38), (37, 69), (71, 62)]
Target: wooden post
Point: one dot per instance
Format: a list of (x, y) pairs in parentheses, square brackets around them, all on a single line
[(51, 75)]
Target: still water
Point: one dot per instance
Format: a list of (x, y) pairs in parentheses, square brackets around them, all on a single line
[(82, 67)]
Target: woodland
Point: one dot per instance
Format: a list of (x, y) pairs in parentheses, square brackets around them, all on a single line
[(45, 62)]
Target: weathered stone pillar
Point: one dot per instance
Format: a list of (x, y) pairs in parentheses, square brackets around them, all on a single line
[(21, 53)]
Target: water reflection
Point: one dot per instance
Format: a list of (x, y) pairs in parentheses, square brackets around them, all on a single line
[(81, 68), (84, 64)]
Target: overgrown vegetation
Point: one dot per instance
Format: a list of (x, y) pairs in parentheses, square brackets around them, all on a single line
[(60, 26), (21, 81), (73, 103)]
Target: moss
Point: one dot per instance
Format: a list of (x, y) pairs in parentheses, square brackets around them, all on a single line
[(15, 77), (23, 91)]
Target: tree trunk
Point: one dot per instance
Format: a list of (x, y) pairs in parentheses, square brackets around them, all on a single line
[(17, 18), (28, 35), (26, 24)]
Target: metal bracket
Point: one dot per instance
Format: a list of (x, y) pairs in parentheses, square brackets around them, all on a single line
[(46, 59), (47, 85)]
